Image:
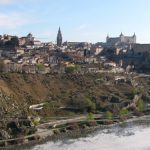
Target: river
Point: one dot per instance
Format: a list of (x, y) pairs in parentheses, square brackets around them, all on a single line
[(127, 136)]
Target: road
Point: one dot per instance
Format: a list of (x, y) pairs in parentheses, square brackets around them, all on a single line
[(64, 121)]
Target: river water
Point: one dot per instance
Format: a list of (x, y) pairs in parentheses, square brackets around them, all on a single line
[(133, 135)]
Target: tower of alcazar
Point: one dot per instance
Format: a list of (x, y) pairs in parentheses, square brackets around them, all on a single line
[(120, 41)]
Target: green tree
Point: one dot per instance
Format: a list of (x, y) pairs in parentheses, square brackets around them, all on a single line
[(91, 106), (140, 105), (90, 116), (134, 91), (40, 67), (123, 112), (108, 115), (72, 69)]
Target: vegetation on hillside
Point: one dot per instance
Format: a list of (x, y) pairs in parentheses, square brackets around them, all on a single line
[(61, 95)]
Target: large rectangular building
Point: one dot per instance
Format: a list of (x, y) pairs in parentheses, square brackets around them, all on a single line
[(120, 41)]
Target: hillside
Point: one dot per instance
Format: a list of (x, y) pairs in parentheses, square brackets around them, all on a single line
[(19, 91)]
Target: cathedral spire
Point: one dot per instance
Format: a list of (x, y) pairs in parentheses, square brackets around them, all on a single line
[(107, 38), (59, 38), (121, 34)]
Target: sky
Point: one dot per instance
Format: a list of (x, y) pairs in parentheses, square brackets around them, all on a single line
[(80, 20)]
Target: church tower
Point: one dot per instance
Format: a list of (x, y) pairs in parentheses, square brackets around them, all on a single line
[(122, 38), (107, 38), (59, 38), (134, 38)]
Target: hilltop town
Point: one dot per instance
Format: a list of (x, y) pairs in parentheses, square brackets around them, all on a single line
[(28, 55), (43, 85)]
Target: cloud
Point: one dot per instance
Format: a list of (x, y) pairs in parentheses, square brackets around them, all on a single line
[(82, 27), (14, 20), (6, 2)]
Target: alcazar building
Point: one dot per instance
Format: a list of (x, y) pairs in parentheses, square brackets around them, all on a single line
[(120, 41)]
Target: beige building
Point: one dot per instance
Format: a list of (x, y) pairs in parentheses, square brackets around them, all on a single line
[(120, 41), (20, 51)]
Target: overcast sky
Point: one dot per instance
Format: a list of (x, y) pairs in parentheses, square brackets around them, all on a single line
[(80, 20)]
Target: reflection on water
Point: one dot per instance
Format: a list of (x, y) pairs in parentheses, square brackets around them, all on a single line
[(133, 135)]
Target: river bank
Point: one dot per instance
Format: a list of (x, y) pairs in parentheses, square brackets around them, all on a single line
[(65, 95), (65, 134), (126, 136)]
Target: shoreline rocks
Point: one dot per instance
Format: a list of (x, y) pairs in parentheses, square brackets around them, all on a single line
[(56, 134)]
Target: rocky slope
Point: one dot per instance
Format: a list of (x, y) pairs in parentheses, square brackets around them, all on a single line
[(106, 91), (44, 96)]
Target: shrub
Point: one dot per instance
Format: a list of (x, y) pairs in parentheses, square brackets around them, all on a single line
[(40, 67), (90, 117), (91, 106), (123, 112), (36, 121), (72, 69), (140, 105), (134, 91), (108, 115)]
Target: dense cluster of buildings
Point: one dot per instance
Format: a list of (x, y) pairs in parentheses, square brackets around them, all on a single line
[(28, 55)]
